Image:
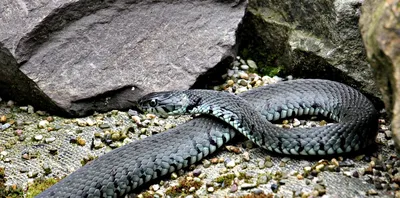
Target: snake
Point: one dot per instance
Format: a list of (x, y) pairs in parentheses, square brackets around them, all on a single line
[(218, 117)]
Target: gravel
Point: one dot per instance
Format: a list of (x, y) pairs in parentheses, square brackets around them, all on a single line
[(34, 144)]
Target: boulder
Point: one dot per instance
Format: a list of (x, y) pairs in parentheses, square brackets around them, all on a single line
[(380, 27), (84, 55), (308, 39)]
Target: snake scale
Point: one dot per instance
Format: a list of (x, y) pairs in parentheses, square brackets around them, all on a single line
[(125, 169)]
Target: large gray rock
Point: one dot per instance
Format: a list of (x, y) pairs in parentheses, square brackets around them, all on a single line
[(380, 26), (86, 55), (309, 39)]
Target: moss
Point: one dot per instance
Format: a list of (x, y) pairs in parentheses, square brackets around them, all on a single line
[(183, 187), (227, 179), (88, 159), (39, 185), (261, 195), (8, 192)]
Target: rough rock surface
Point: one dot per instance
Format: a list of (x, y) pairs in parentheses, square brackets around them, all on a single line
[(308, 39), (380, 26), (88, 56)]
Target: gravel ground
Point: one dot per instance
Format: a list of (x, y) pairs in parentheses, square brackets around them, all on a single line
[(36, 145)]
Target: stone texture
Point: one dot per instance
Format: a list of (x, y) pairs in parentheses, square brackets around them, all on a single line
[(308, 39), (87, 56), (10, 78), (380, 28)]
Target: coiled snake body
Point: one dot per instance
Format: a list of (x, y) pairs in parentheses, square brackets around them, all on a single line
[(124, 169)]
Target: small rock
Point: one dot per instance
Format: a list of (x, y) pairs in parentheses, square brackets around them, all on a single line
[(233, 149), (169, 126), (274, 187), (230, 164), (268, 164), (32, 174), (206, 163), (43, 124), (174, 175), (23, 108), (372, 192), (251, 64), (30, 109), (319, 167), (300, 176), (196, 172), (5, 126), (136, 119), (49, 140), (104, 126), (244, 67), (115, 137), (246, 156), (156, 187), (192, 189), (97, 144), (248, 185), (10, 103), (234, 188), (3, 119), (38, 137), (296, 122), (90, 122), (150, 116), (210, 189), (80, 141)]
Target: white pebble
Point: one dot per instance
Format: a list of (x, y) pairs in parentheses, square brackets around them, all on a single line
[(251, 64), (38, 137), (244, 67), (296, 122), (43, 124)]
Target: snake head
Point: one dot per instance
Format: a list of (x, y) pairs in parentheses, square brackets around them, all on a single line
[(164, 103)]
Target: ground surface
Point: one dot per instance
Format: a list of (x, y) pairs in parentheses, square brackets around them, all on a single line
[(36, 145)]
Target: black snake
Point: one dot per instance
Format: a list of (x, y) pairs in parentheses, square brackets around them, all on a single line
[(125, 169)]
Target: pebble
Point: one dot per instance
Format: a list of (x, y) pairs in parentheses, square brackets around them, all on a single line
[(274, 187), (10, 103), (90, 122), (30, 109), (372, 192), (196, 172), (104, 126), (210, 189), (192, 189), (5, 126), (136, 119), (174, 175), (234, 188), (268, 164), (80, 141), (23, 108), (251, 64), (296, 122), (98, 144), (32, 174), (206, 163), (43, 124), (245, 186), (49, 140), (38, 137), (169, 126)]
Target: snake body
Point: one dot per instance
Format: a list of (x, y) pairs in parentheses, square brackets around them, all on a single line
[(124, 169)]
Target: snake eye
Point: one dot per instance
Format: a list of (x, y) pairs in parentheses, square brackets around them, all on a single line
[(153, 102)]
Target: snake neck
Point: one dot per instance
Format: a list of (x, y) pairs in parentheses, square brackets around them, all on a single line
[(231, 109)]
